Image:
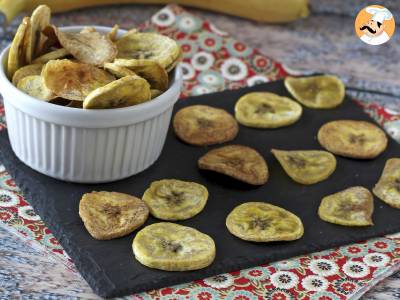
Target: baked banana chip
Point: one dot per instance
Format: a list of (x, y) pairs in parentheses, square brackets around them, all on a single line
[(306, 166), (174, 200), (55, 54), (388, 187), (175, 62), (34, 86), (263, 222), (118, 71), (351, 207), (108, 215), (113, 34), (266, 110), (34, 69), (73, 80), (16, 55), (148, 46), (172, 247), (203, 125), (240, 162), (320, 92), (126, 91), (155, 93), (88, 47), (150, 70), (35, 40), (356, 139)]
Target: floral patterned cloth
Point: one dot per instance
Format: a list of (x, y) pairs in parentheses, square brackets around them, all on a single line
[(213, 61)]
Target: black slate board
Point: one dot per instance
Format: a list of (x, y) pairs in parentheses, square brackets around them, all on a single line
[(109, 266)]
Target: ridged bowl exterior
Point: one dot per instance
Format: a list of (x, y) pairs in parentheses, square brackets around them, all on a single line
[(87, 146)]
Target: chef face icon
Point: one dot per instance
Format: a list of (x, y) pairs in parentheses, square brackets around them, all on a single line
[(375, 25)]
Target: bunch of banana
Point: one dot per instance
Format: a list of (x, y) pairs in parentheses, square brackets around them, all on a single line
[(270, 11)]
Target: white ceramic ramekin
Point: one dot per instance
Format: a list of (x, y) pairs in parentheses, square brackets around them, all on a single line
[(87, 146)]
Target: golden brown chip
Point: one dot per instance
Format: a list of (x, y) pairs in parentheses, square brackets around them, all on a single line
[(263, 222), (240, 162), (171, 66), (129, 32), (155, 93), (202, 125), (149, 70), (16, 55), (55, 54), (40, 19), (113, 34), (117, 70), (28, 70), (148, 46), (320, 92), (75, 104), (108, 215), (124, 92), (266, 110), (306, 166), (388, 187), (89, 47), (72, 80), (356, 139), (172, 247), (88, 29), (351, 207), (34, 86)]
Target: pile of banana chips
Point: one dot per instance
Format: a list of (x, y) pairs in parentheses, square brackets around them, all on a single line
[(89, 69)]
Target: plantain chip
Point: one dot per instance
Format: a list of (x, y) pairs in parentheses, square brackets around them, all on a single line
[(320, 92), (172, 65), (356, 139), (388, 187), (172, 247), (202, 125), (118, 71), (126, 91), (16, 55), (351, 207), (149, 70), (240, 162), (108, 215), (129, 32), (307, 166), (174, 200), (88, 29), (34, 86), (266, 110), (148, 46), (34, 69), (52, 55), (88, 47), (40, 19), (155, 93), (75, 104), (113, 34), (264, 222), (73, 80)]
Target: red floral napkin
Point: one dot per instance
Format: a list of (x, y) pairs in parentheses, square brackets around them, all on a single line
[(213, 61)]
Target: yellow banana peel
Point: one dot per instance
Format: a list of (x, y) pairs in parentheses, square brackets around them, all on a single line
[(267, 11)]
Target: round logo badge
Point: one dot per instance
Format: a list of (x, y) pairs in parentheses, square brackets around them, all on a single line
[(374, 25)]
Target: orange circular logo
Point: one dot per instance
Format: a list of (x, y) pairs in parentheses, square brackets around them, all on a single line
[(375, 25)]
